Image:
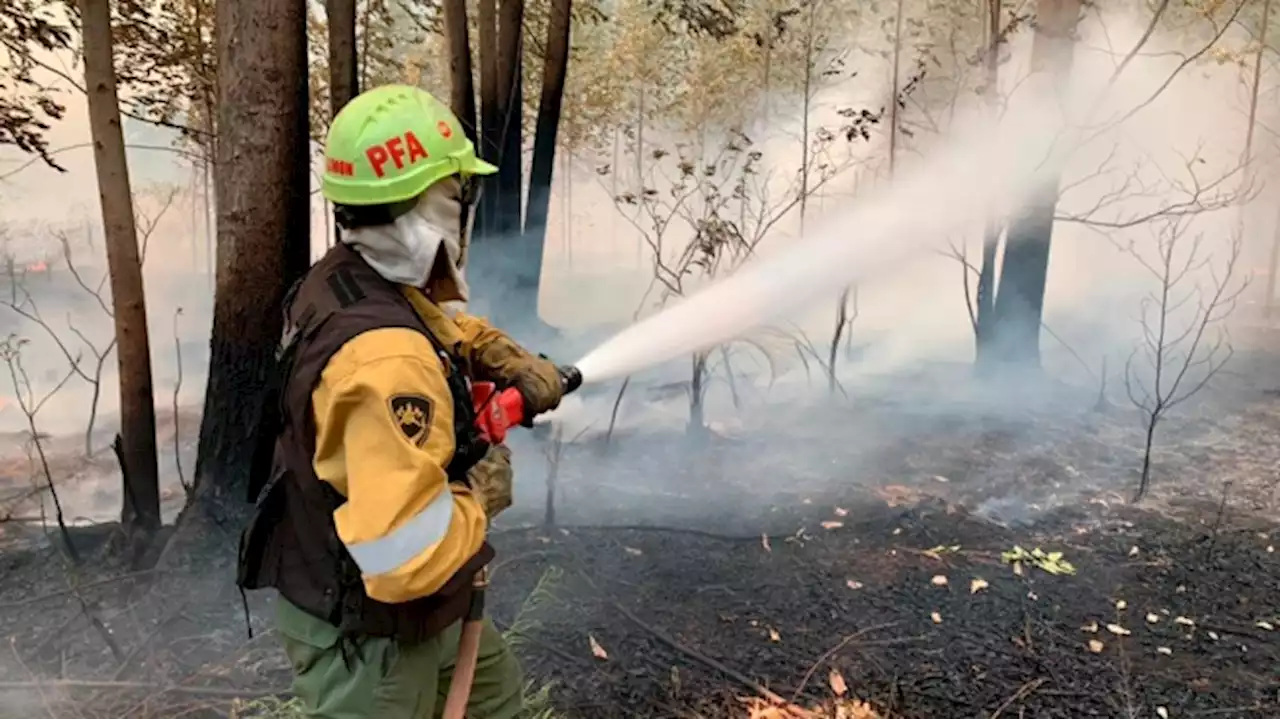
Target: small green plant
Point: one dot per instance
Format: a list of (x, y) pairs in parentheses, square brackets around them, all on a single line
[(537, 697), (266, 708)]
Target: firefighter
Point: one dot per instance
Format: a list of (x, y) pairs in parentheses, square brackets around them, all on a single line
[(372, 522)]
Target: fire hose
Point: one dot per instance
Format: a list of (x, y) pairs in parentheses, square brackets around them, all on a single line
[(496, 412)]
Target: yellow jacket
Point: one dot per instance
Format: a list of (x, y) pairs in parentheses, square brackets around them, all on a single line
[(384, 436)]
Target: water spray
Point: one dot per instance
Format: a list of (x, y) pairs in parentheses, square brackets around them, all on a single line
[(985, 169)]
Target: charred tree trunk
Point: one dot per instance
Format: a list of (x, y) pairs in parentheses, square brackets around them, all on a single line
[(1019, 302), (991, 233), (344, 73), (263, 223), (489, 132), (544, 151), (140, 516), (344, 78), (462, 89), (508, 216)]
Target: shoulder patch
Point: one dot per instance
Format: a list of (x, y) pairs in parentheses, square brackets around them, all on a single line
[(412, 415)]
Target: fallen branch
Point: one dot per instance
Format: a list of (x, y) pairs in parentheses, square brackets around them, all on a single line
[(1022, 693), (69, 684), (733, 674), (830, 652), (73, 590)]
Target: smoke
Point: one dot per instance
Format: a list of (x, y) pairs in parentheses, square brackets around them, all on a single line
[(892, 239), (1155, 143)]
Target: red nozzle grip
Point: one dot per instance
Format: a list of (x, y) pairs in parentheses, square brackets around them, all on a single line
[(495, 414)]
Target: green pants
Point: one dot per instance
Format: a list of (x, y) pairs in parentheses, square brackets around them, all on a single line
[(389, 680)]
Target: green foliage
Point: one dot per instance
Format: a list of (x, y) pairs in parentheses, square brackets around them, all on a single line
[(543, 595), (267, 708)]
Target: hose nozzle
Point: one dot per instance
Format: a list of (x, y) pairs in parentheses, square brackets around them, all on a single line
[(570, 378)]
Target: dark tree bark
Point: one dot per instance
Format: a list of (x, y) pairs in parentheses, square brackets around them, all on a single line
[(140, 516), (1019, 303), (489, 131), (508, 212), (344, 73), (544, 142), (344, 81), (462, 89), (985, 310), (263, 223)]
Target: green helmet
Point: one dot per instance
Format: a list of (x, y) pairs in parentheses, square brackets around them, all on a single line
[(390, 144)]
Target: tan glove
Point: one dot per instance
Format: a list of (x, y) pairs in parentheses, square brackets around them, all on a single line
[(539, 383), (491, 480)]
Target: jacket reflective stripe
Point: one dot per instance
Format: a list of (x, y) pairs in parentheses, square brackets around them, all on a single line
[(423, 531)]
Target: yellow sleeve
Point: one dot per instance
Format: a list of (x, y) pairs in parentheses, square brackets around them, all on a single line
[(491, 351), (384, 434)]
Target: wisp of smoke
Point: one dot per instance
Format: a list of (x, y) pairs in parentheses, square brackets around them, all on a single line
[(981, 169)]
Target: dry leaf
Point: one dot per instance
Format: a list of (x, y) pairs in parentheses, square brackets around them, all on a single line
[(853, 584), (633, 551), (596, 649), (939, 580), (1118, 630), (1095, 646), (837, 683), (764, 542), (896, 495), (774, 636), (830, 524), (977, 585), (1017, 568), (936, 617), (759, 708), (854, 709)]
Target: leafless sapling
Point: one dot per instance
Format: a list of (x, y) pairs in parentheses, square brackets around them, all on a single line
[(21, 301), (1184, 340), (177, 391), (30, 404)]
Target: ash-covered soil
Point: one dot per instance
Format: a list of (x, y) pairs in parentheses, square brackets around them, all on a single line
[(802, 549)]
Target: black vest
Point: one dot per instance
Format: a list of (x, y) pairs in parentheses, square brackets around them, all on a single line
[(291, 543)]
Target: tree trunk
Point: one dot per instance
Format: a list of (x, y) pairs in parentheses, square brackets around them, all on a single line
[(490, 131), (344, 77), (508, 215), (262, 185), (344, 82), (1019, 303), (462, 97), (991, 233), (544, 152), (895, 83), (141, 511)]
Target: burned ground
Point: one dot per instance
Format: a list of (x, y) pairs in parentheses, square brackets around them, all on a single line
[(859, 545)]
